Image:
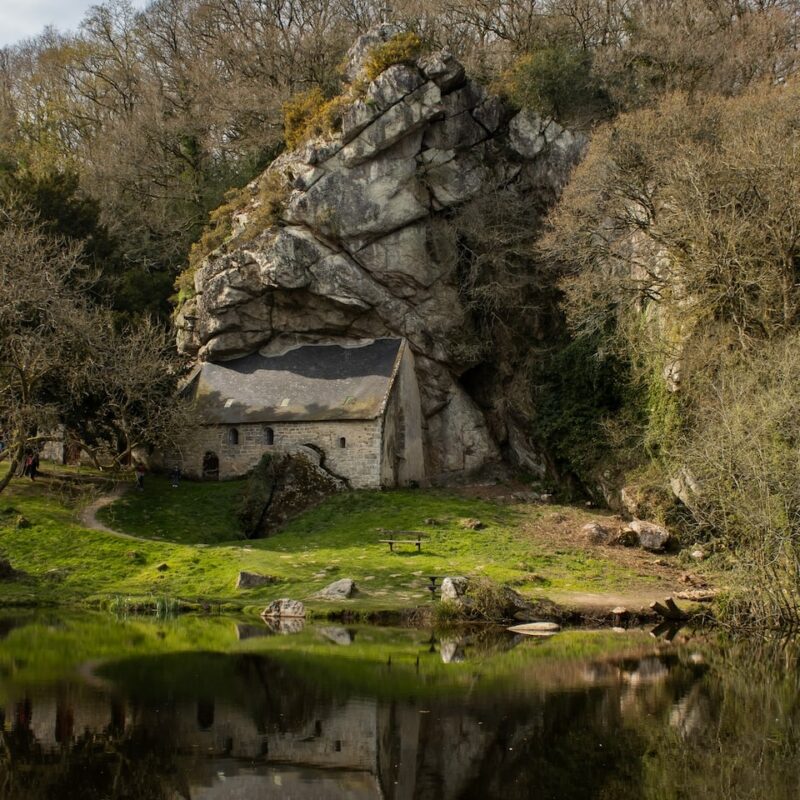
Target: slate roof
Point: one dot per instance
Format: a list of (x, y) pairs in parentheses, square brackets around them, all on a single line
[(309, 383)]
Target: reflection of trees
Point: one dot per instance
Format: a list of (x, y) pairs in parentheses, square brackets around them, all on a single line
[(714, 723), (138, 765), (584, 743), (142, 761), (736, 736)]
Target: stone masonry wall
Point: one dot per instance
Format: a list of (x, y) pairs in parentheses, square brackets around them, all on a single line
[(358, 461)]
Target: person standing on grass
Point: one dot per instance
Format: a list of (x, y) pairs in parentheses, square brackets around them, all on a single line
[(140, 477)]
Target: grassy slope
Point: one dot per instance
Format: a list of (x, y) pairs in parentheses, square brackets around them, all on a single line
[(191, 513), (337, 539)]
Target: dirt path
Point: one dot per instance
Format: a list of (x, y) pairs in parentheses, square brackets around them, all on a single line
[(603, 602), (89, 519)]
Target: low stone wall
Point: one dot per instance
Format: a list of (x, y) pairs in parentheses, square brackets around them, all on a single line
[(358, 461)]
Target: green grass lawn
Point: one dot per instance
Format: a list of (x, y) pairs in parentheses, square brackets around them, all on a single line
[(337, 539), (190, 514)]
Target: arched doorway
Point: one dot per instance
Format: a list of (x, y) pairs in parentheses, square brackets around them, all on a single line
[(211, 466)]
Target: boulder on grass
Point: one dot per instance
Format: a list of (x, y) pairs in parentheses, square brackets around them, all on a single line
[(251, 580), (454, 588), (343, 589), (471, 524), (285, 607), (625, 537), (595, 533), (651, 536)]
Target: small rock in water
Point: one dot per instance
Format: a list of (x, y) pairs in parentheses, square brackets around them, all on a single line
[(536, 628)]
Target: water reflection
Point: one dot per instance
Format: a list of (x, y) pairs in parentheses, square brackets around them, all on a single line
[(483, 715)]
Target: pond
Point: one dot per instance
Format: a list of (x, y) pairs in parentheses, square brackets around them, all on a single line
[(223, 709)]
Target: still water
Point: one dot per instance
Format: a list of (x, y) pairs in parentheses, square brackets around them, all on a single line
[(221, 709)]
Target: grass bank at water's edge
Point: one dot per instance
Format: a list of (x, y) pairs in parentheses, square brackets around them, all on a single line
[(199, 553)]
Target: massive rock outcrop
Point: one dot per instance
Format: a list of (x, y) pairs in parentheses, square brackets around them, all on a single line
[(363, 246)]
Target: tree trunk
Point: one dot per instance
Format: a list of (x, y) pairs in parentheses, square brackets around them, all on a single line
[(12, 466)]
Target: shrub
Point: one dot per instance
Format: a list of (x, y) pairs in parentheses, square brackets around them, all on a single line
[(310, 114), (256, 496), (557, 82), (577, 387), (264, 208), (297, 112), (401, 49), (214, 235)]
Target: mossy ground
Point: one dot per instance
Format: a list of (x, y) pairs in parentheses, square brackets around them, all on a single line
[(192, 530)]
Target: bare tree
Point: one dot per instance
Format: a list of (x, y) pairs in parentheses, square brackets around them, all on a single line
[(44, 325), (64, 363)]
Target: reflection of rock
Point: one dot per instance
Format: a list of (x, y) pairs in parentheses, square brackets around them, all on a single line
[(341, 636), (691, 714), (285, 607), (600, 673), (452, 651), (244, 631), (285, 625), (342, 589), (649, 670)]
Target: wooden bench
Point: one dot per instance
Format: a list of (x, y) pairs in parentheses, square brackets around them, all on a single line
[(402, 537)]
